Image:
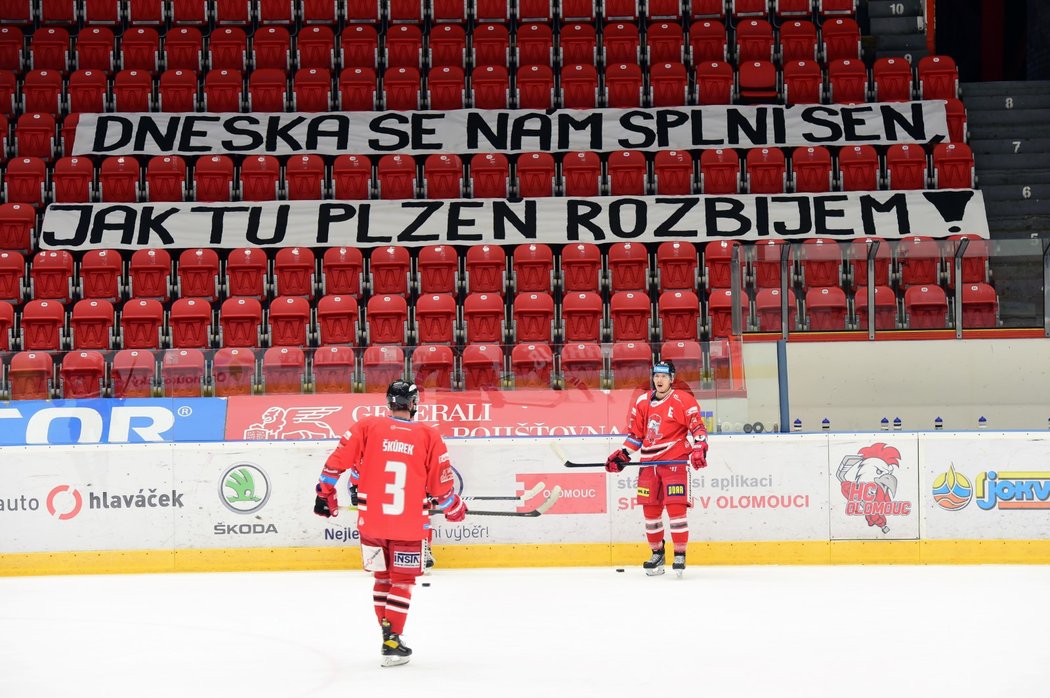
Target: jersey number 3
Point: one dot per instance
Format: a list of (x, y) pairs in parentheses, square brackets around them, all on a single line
[(395, 489)]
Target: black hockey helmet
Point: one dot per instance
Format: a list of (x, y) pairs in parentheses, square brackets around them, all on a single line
[(665, 366), (402, 395)]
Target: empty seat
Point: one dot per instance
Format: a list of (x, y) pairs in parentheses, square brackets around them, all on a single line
[(233, 371), (386, 319), (620, 44), (88, 91), (665, 43), (676, 264), (166, 178), (859, 251), (12, 46), (581, 174), (533, 317), (582, 316), (668, 85), (578, 44), (980, 306), (149, 274), (714, 83), (241, 323), (828, 8), (12, 280), (826, 309), (630, 365), (223, 90), (26, 181), (754, 40), (628, 267), (535, 87), (382, 365), (841, 37), (953, 166), (342, 271), (178, 91), (352, 177), (42, 91), (919, 260), (630, 316), (389, 268), (859, 168), (707, 42), (142, 324), (34, 136), (305, 179), (749, 8), (486, 269), (355, 11), (289, 318), (272, 48), (118, 179), (396, 177), (483, 318), (535, 44), (534, 10), (333, 369), (798, 40), (132, 91), (536, 175), (446, 88), (766, 171), (489, 176), (938, 78), (260, 178), (337, 319), (228, 49), (628, 173), (679, 315), (140, 49), (91, 324), (315, 47), (436, 318), (531, 365), (688, 360), (188, 12), (284, 369), (533, 268), (956, 113), (720, 309), (433, 367), (190, 323), (768, 263), (490, 43), (404, 46), (43, 326), (31, 375), (247, 272), (891, 80), (437, 269), (847, 80), (673, 172), (811, 167), (51, 275), (582, 366), (925, 307), (49, 49), (482, 366), (821, 263), (803, 82), (7, 324), (402, 89), (905, 167), (581, 267), (975, 258), (757, 82), (720, 171), (267, 89), (213, 178), (768, 310), (491, 87), (443, 176), (312, 90), (133, 373), (448, 46), (294, 272)]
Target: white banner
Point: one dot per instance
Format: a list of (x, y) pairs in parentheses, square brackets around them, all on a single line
[(511, 131), (554, 220)]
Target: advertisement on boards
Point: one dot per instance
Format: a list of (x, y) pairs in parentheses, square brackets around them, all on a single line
[(874, 487)]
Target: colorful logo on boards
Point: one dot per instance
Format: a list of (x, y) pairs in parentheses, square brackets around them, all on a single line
[(244, 488), (993, 490), (868, 481), (64, 506), (951, 490)]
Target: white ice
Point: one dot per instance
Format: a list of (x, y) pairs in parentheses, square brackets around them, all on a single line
[(544, 633)]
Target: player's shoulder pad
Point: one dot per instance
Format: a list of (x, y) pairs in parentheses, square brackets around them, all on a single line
[(643, 398)]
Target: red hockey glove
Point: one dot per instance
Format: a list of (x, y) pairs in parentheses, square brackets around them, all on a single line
[(326, 504), (617, 460), (698, 456), (456, 510)]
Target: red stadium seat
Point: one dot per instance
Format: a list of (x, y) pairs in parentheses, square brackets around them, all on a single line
[(925, 308), (621, 9), (294, 272), (847, 81), (953, 166), (337, 319), (534, 10), (49, 49), (630, 316), (579, 10), (7, 323), (8, 104), (491, 45), (404, 46), (905, 167), (189, 12), (628, 267), (443, 176), (668, 85), (149, 275), (446, 88), (119, 179), (891, 80), (436, 318), (826, 309), (714, 83), (241, 323), (533, 268), (664, 9), (688, 360), (433, 367), (582, 317), (140, 49), (631, 365), (133, 373), (664, 43), (803, 82), (531, 366), (357, 89), (533, 317), (31, 375), (390, 270), (228, 49), (623, 85), (536, 175), (12, 46), (52, 276), (720, 171), (621, 44), (260, 178), (768, 263), (233, 371), (535, 44), (582, 366), (676, 264), (35, 136), (483, 318), (43, 326), (579, 86), (183, 49), (766, 171), (581, 267), (841, 39), (247, 273), (290, 321), (386, 319), (858, 261), (798, 41), (491, 87), (91, 324), (535, 87), (142, 324), (827, 8), (673, 172), (315, 47), (938, 78), (486, 269), (792, 8), (133, 91), (178, 91), (859, 167), (754, 40), (628, 173), (356, 11), (190, 323), (334, 369), (957, 129), (267, 89), (720, 307), (821, 262), (166, 178), (213, 178), (437, 267), (489, 176), (482, 366), (980, 306), (749, 8), (757, 82), (223, 90), (312, 90), (352, 177), (183, 373), (88, 91), (811, 167), (26, 181), (581, 174), (447, 46), (12, 283), (305, 177), (885, 308), (342, 271), (975, 267), (679, 315), (396, 177), (283, 370), (279, 12), (272, 48), (769, 311), (707, 42), (919, 260)]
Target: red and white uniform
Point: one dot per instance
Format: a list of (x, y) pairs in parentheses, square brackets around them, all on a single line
[(658, 428), (397, 466)]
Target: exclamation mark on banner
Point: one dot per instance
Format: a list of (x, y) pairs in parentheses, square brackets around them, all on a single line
[(951, 205)]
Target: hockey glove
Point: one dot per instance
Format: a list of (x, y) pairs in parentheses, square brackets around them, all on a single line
[(326, 504), (698, 456), (456, 509), (354, 499), (617, 460)]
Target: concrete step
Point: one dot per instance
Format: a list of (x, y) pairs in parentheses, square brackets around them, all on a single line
[(1012, 162), (1004, 117), (1008, 131), (1019, 177), (1024, 101), (895, 8), (1006, 87), (890, 26), (1008, 146), (900, 42)]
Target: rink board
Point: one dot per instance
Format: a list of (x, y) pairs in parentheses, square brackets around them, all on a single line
[(887, 497)]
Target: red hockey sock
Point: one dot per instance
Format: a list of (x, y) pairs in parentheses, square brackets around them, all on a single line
[(397, 603), (654, 525), (380, 590), (679, 525)]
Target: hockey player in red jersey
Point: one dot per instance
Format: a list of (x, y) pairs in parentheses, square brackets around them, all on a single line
[(398, 466), (664, 425)]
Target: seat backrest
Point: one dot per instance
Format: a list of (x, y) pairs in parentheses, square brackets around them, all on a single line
[(133, 373), (582, 366), (337, 319), (533, 268), (926, 307), (83, 375), (31, 375), (381, 365), (486, 268), (433, 367), (582, 316), (483, 317), (43, 325), (628, 267), (679, 313), (533, 317), (91, 324), (233, 371), (581, 174), (389, 268), (436, 318), (284, 370), (630, 316), (532, 364), (183, 372), (826, 308), (241, 320), (630, 364), (342, 269), (294, 272), (768, 309), (438, 269), (289, 321), (387, 317), (482, 366), (247, 272), (334, 369)]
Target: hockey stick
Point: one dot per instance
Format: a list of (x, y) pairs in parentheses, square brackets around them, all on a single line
[(541, 509), (523, 497), (570, 464)]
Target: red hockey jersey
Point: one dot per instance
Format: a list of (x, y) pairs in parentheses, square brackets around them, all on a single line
[(659, 427)]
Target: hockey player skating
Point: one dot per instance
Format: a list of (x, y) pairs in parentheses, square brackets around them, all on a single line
[(397, 466), (664, 424)]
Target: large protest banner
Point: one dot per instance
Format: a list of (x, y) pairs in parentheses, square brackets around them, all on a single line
[(554, 220), (467, 131)]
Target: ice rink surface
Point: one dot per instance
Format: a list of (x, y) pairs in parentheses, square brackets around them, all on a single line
[(719, 632)]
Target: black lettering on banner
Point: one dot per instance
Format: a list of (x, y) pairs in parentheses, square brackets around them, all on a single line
[(642, 128), (682, 205), (327, 214), (275, 130), (189, 132), (122, 127), (761, 220), (719, 208), (456, 222), (479, 124), (503, 212), (535, 126), (854, 118), (802, 214), (895, 203), (666, 121), (697, 122), (429, 208), (737, 123), (823, 211), (150, 224), (334, 128), (218, 213), (580, 213), (780, 125), (51, 238), (117, 219), (637, 210), (250, 131), (379, 125), (813, 116), (568, 123), (420, 130), (163, 139), (280, 227), (893, 118)]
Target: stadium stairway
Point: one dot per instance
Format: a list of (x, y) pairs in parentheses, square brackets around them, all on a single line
[(898, 28)]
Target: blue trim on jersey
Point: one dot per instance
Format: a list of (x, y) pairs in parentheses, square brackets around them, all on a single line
[(398, 419), (329, 480), (447, 503), (629, 440)]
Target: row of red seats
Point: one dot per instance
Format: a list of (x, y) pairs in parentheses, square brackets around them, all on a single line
[(244, 12), (120, 179), (339, 369), (407, 46)]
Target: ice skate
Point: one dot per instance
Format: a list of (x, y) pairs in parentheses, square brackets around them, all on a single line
[(395, 652), (430, 560), (655, 565), (679, 564)]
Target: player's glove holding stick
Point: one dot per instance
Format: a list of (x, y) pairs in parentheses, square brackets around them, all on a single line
[(617, 460), (698, 456)]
